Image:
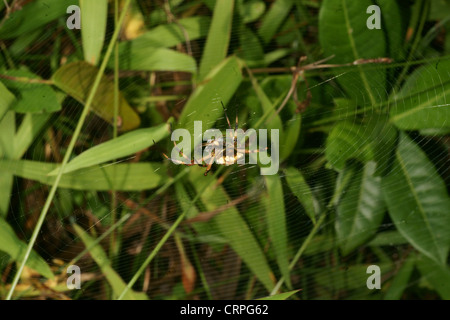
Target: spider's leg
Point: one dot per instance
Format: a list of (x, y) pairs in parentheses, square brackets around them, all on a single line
[(226, 116), (211, 161), (228, 119)]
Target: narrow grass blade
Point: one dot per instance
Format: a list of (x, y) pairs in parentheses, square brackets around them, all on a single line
[(302, 191), (6, 100), (274, 18), (93, 27), (276, 223), (219, 34), (120, 177), (98, 254), (125, 145)]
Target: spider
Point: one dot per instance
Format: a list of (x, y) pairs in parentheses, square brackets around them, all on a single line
[(220, 157)]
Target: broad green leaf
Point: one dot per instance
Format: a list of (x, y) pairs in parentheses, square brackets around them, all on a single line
[(401, 280), (418, 202), (15, 248), (273, 19), (33, 15), (154, 59), (436, 274), (344, 108), (99, 256), (31, 97), (348, 140), (204, 103), (276, 223), (388, 238), (281, 296), (394, 26), (218, 39), (360, 210), (93, 27), (250, 50), (344, 34), (233, 227), (120, 177), (7, 100), (383, 136), (302, 191), (77, 78), (125, 145), (423, 101), (169, 35), (250, 10)]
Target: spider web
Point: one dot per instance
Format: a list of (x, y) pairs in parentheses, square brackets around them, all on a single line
[(322, 271)]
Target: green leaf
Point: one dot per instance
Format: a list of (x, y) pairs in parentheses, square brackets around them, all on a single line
[(418, 202), (16, 249), (7, 148), (360, 210), (250, 10), (7, 99), (274, 18), (383, 136), (401, 280), (31, 126), (281, 296), (302, 191), (276, 223), (251, 49), (120, 177), (7, 130), (348, 140), (343, 33), (218, 39), (31, 97), (423, 100), (233, 227), (33, 15), (388, 238), (93, 27), (170, 35), (6, 185), (394, 25), (99, 256), (204, 103), (436, 274), (123, 146), (154, 59), (77, 78)]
